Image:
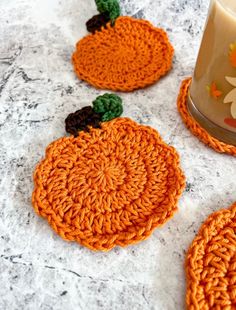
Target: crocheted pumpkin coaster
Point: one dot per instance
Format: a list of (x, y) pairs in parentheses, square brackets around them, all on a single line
[(110, 186), (128, 55), (194, 126), (211, 264)]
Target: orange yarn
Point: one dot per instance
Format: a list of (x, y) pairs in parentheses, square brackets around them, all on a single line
[(211, 264), (110, 186), (195, 128), (130, 55)]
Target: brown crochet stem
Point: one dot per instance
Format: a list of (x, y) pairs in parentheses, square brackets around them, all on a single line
[(81, 119), (97, 22)]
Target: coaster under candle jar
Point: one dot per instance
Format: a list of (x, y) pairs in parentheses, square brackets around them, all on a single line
[(108, 186), (195, 127), (211, 98)]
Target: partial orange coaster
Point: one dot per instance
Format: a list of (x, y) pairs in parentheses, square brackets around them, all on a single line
[(211, 264), (131, 55), (110, 186), (195, 128)]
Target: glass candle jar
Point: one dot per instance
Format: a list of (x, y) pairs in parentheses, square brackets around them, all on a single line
[(212, 94)]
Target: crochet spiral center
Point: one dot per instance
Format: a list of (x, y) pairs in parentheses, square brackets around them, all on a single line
[(128, 56), (109, 186)]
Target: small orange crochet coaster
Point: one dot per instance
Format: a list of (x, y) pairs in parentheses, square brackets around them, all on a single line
[(131, 54), (110, 186), (194, 126), (211, 264)]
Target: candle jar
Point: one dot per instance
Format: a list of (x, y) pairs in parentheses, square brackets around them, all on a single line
[(212, 94)]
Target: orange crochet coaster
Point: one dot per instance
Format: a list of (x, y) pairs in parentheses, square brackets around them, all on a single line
[(129, 55), (195, 128), (110, 186), (211, 264)]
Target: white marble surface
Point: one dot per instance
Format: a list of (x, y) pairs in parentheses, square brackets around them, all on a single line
[(38, 89)]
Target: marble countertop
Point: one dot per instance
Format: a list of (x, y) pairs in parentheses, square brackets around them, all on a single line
[(38, 89)]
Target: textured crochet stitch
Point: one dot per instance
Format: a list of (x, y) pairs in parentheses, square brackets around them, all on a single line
[(131, 54), (194, 126), (211, 264), (110, 186), (109, 106), (105, 108), (111, 7), (97, 22)]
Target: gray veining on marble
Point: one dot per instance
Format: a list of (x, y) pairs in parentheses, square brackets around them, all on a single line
[(38, 89)]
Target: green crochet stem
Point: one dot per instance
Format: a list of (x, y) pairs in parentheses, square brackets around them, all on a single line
[(111, 7), (109, 106)]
